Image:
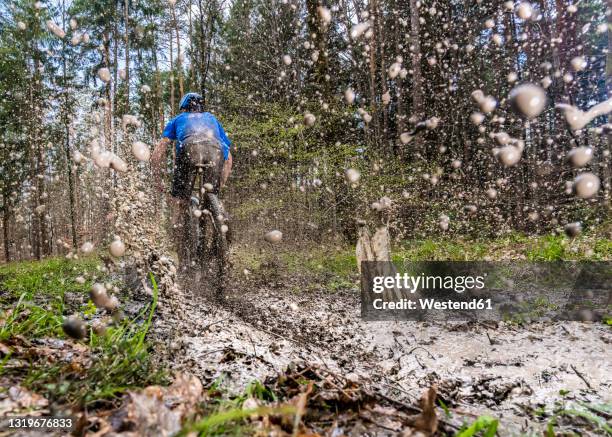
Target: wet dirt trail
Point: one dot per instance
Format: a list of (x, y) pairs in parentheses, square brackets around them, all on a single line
[(499, 369)]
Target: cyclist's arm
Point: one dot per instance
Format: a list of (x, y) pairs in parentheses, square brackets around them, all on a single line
[(157, 158)]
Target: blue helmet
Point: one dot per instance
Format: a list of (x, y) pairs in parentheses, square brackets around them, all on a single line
[(192, 102)]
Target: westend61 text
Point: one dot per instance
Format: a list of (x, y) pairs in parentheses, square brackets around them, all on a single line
[(432, 304)]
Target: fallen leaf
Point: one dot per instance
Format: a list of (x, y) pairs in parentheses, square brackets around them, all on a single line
[(18, 399), (427, 421)]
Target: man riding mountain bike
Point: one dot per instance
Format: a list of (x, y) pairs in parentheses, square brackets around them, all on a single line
[(194, 131)]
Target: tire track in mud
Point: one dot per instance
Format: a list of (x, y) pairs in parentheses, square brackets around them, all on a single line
[(479, 369)]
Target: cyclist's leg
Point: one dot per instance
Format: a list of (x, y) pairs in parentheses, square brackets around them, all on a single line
[(181, 219), (227, 169)]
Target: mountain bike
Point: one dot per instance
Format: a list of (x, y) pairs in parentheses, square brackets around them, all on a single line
[(206, 223)]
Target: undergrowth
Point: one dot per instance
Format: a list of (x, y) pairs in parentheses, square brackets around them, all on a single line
[(336, 267), (34, 305)]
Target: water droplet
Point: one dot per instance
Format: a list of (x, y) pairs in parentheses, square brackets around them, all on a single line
[(386, 98), (77, 157), (273, 236), (118, 164), (524, 10), (117, 248), (528, 99), (324, 15), (394, 70), (578, 119), (309, 119), (502, 138), (580, 156), (141, 151), (477, 118), (74, 327), (509, 155), (349, 96), (579, 63), (104, 74), (55, 29), (586, 185), (352, 175), (98, 295), (359, 29), (87, 248), (573, 229)]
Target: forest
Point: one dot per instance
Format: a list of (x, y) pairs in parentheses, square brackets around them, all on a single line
[(398, 131)]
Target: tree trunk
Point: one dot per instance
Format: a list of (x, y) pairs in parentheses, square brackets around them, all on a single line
[(67, 140), (372, 58), (179, 63), (417, 78), (172, 109), (320, 67), (127, 55), (5, 229), (401, 110), (205, 55), (380, 43)]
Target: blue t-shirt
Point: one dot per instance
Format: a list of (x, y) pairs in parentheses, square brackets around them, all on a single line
[(196, 124)]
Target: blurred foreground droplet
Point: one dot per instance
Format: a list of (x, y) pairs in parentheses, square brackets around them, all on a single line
[(74, 327), (273, 236)]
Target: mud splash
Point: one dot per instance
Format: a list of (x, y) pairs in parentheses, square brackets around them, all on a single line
[(498, 369)]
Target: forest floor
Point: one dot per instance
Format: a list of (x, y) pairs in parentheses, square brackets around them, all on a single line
[(288, 353), (281, 313)]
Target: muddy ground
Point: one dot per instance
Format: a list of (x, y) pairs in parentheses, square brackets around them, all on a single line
[(272, 320)]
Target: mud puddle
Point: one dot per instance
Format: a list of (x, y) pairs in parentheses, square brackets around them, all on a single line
[(505, 371)]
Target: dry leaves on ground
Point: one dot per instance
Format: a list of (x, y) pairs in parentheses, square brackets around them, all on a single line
[(155, 410)]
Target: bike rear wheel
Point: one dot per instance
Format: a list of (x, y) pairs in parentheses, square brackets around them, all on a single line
[(219, 242)]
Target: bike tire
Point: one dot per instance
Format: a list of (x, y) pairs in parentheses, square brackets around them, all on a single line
[(220, 239)]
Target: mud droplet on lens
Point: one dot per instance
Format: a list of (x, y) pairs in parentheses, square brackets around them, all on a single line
[(74, 327), (580, 156), (586, 185), (273, 236), (117, 248), (528, 99), (573, 229)]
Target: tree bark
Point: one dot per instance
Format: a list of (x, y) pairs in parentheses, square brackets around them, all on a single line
[(172, 109), (372, 57), (401, 110), (127, 54), (417, 77), (179, 63), (5, 229), (67, 140)]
